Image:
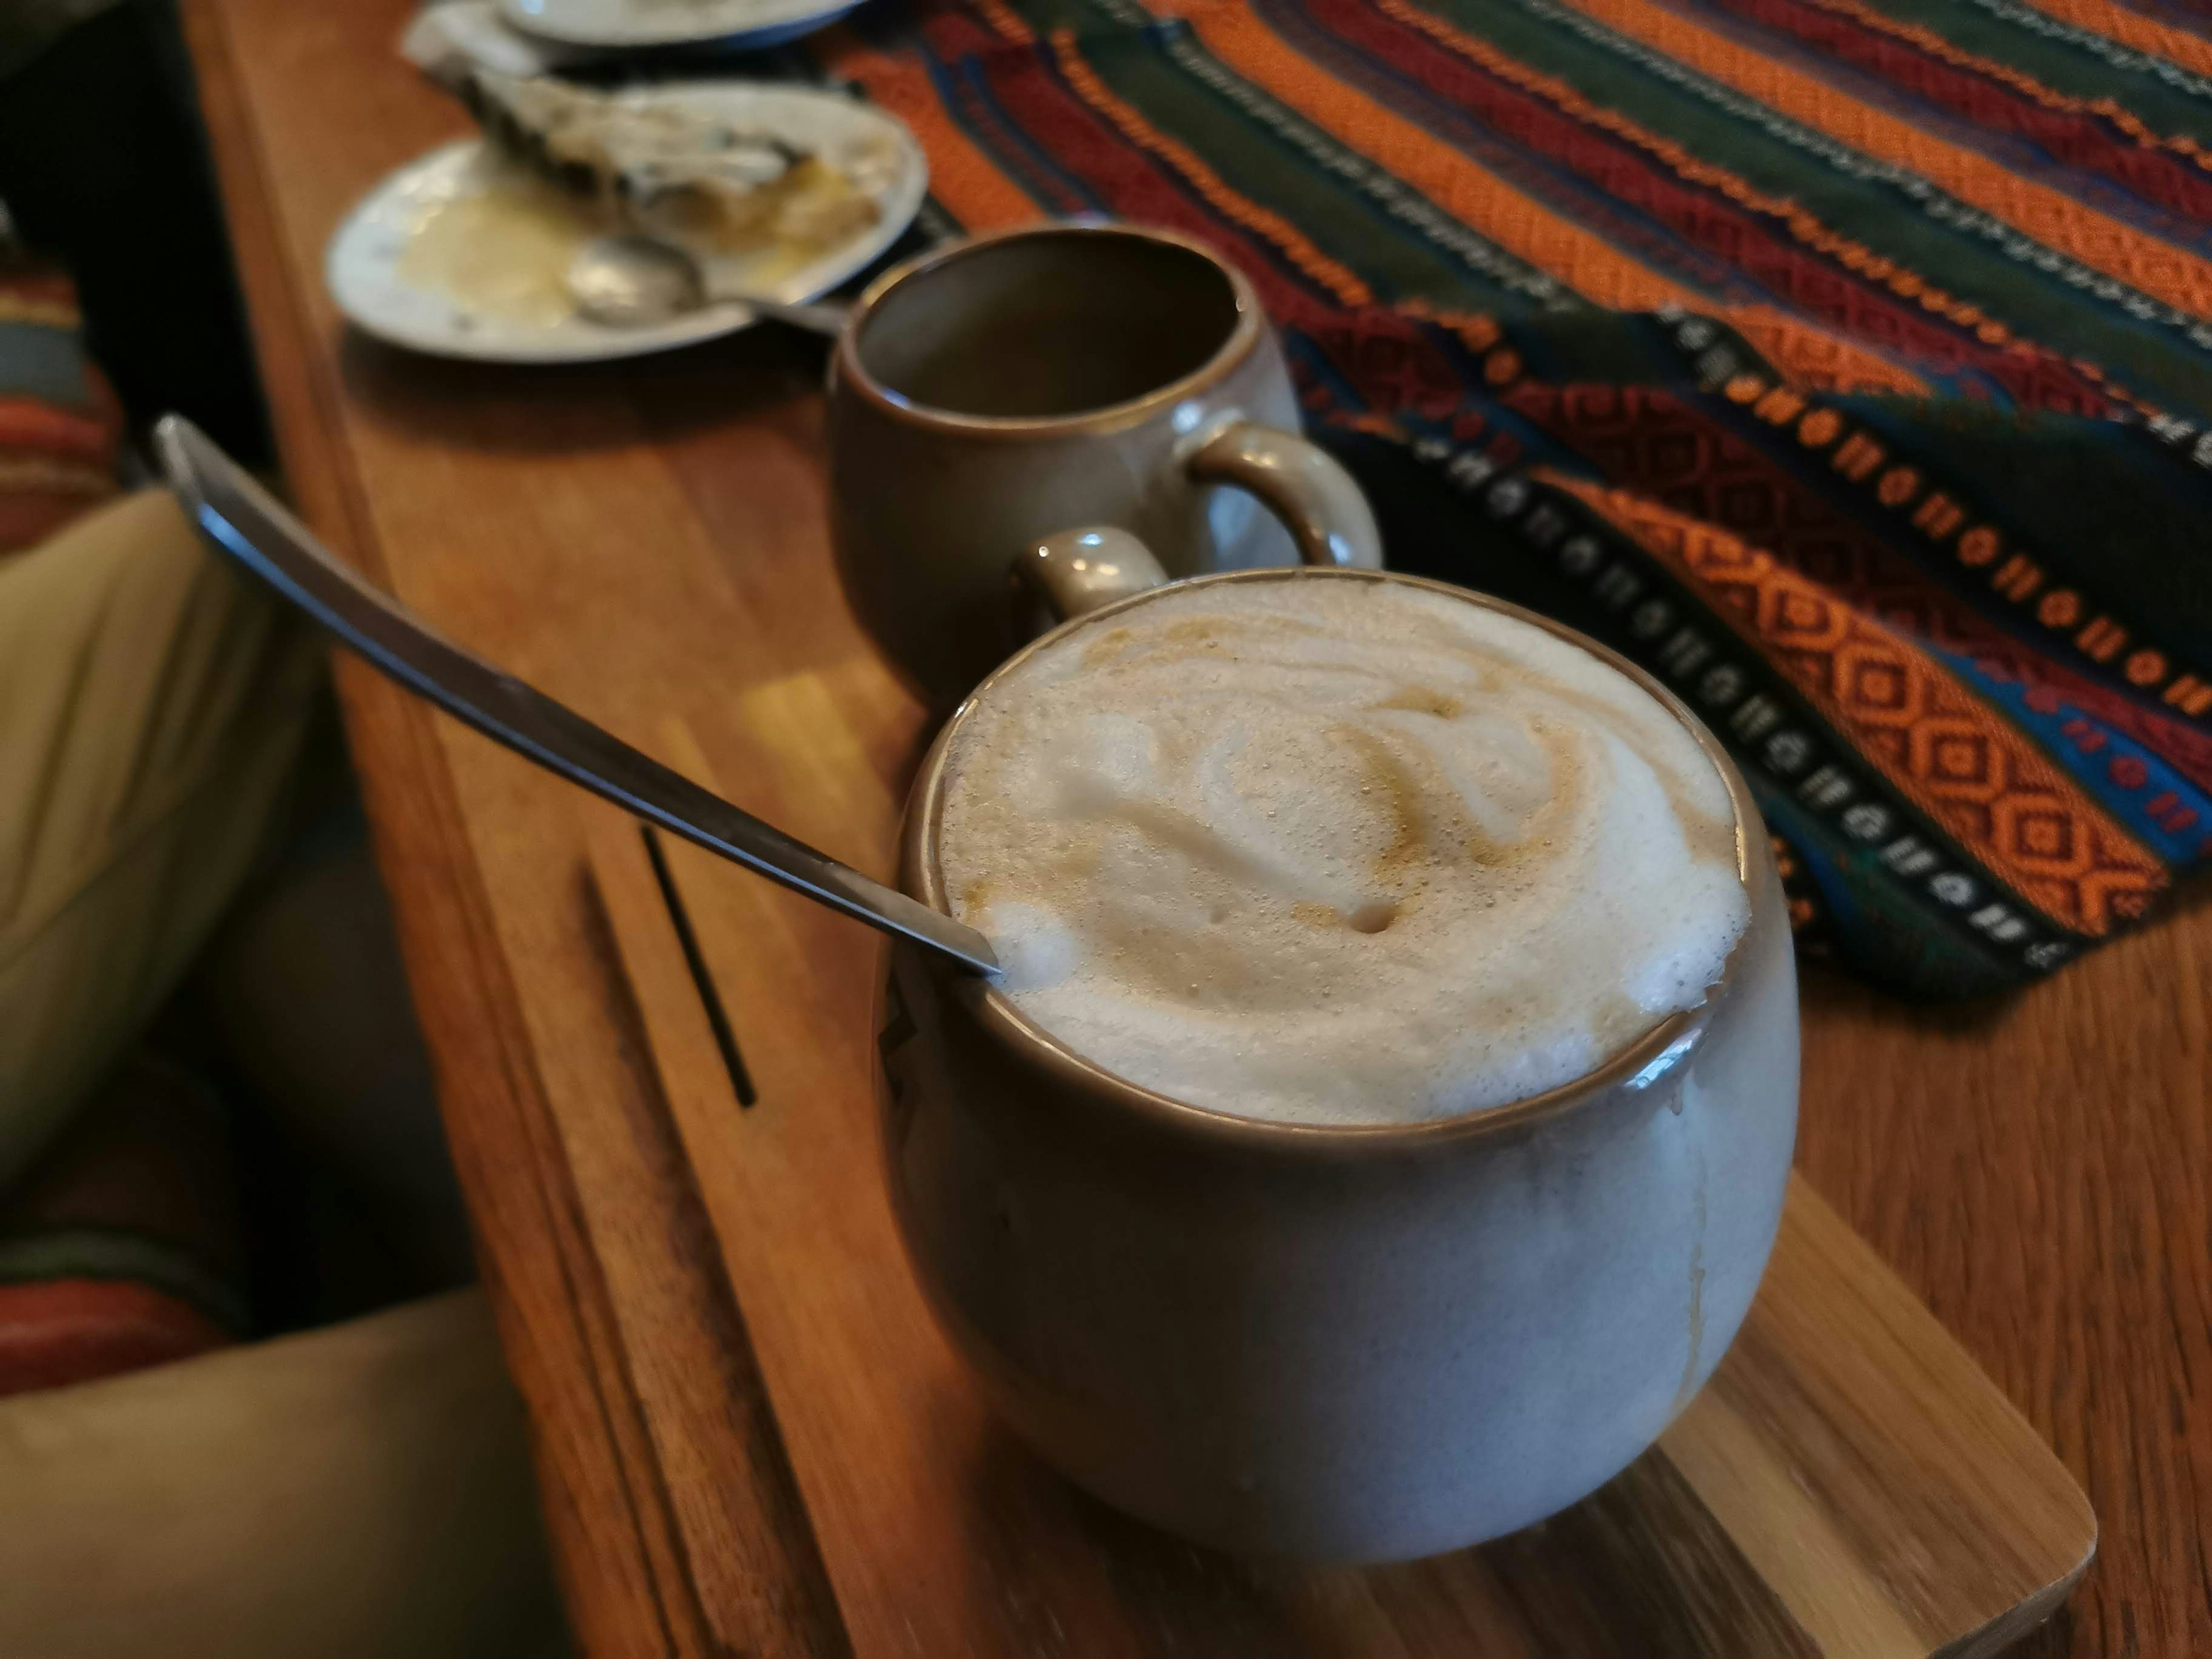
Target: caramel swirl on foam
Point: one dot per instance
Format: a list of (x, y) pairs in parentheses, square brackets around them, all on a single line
[(1338, 851)]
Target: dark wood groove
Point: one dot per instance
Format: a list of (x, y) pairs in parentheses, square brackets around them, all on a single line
[(702, 977)]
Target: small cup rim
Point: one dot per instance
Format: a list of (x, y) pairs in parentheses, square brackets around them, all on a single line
[(1657, 1054), (852, 375)]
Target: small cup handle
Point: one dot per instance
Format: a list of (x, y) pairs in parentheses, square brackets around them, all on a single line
[(1076, 571), (1301, 484)]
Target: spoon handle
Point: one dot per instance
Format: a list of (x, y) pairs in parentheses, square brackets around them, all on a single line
[(242, 521), (816, 317)]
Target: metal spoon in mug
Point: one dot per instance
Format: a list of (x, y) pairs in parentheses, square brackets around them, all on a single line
[(242, 521), (630, 281)]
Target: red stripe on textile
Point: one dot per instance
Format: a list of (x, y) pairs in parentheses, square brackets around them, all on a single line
[(2077, 139), (29, 517), (31, 423), (58, 1332), (1131, 183), (952, 35), (1858, 308)]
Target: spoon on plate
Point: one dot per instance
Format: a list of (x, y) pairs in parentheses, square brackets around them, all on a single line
[(243, 522), (627, 281)]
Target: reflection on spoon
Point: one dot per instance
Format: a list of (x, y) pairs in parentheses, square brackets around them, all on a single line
[(628, 281)]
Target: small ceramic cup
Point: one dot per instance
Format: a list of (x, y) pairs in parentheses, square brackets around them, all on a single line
[(998, 390), (1335, 1343)]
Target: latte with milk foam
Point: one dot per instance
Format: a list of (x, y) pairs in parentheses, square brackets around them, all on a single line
[(1332, 850)]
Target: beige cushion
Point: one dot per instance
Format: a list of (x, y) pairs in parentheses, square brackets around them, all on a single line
[(150, 707), (352, 1493)]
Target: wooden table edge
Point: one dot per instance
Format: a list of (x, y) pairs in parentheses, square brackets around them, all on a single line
[(486, 1112)]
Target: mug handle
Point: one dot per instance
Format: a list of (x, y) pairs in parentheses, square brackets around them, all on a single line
[(1301, 484), (1073, 572)]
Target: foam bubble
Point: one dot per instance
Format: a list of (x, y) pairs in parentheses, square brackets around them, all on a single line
[(1338, 851)]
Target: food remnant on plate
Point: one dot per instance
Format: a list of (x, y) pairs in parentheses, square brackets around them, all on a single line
[(712, 187), (500, 251)]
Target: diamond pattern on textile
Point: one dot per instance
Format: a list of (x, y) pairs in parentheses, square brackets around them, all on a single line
[(1973, 773)]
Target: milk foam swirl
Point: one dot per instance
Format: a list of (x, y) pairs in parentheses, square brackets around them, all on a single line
[(1335, 850)]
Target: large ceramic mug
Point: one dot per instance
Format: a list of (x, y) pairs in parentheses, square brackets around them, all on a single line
[(999, 389), (1337, 1343)]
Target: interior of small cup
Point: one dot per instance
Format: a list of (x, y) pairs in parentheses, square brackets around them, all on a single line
[(1052, 324)]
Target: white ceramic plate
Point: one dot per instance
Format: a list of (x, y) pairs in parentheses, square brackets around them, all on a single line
[(618, 24), (365, 265)]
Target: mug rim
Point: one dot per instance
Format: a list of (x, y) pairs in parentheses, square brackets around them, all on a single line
[(1243, 337), (1657, 1054)]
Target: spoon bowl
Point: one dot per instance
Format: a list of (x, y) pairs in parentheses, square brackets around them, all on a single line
[(625, 280)]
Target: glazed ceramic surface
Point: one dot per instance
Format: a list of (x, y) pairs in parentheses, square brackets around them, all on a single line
[(633, 25), (993, 393), (1340, 1344)]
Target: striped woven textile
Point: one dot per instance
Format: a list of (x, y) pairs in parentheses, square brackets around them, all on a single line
[(60, 426), (1848, 363)]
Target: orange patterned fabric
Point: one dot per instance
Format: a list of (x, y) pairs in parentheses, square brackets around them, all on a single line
[(1846, 322), (1969, 770), (1832, 362), (2157, 268), (2128, 28), (1817, 358), (1589, 266), (977, 192), (1342, 283), (1474, 196), (1934, 46)]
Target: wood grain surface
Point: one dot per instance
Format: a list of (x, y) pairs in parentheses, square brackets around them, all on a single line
[(647, 541), (1850, 1482)]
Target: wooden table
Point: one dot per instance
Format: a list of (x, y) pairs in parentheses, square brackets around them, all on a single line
[(647, 541)]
